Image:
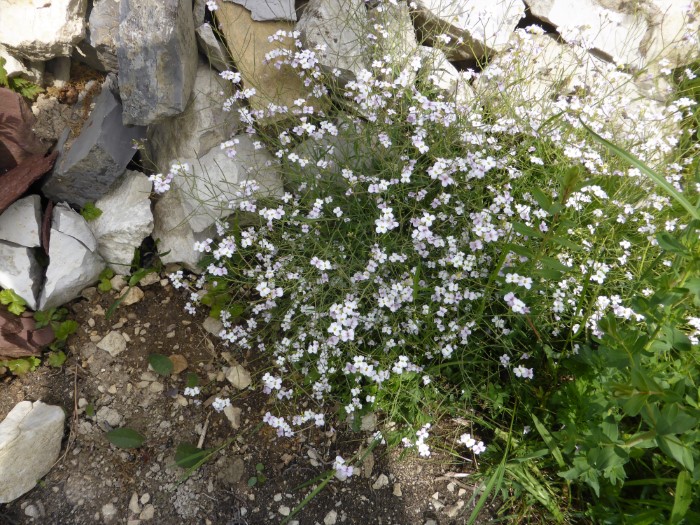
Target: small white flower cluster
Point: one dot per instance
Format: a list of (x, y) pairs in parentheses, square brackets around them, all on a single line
[(419, 443), (468, 441), (161, 183), (220, 404), (342, 470), (212, 5), (278, 423)]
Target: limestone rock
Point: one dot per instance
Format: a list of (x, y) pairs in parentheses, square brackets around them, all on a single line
[(199, 128), (187, 212), (444, 75), (674, 34), (239, 377), (157, 55), (73, 264), (248, 44), (14, 67), (99, 49), (615, 28), (97, 157), (340, 26), (125, 222), (67, 221), (21, 222), (17, 139), (131, 295), (30, 441), (113, 343), (42, 30), (212, 48), (20, 271), (269, 9), (476, 28)]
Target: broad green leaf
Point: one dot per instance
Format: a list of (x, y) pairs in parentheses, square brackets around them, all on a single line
[(90, 410), (252, 481), (566, 243), (161, 364), (16, 308), (188, 455), (104, 285), (670, 244), (56, 359), (125, 438), (682, 499), (677, 450), (658, 179), (191, 380), (90, 212), (107, 273), (64, 329)]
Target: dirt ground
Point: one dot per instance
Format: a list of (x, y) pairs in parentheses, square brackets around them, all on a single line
[(95, 482)]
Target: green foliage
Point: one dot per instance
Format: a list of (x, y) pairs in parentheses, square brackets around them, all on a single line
[(105, 284), (15, 304), (125, 438), (259, 477), (21, 365), (161, 364), (19, 85), (90, 212)]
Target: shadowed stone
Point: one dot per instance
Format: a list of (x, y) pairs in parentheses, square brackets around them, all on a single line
[(157, 56)]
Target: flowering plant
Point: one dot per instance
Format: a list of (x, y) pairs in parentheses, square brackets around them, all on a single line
[(426, 249)]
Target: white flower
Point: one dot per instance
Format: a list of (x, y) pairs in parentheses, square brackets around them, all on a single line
[(219, 404)]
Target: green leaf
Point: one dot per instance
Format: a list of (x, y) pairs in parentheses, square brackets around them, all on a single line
[(526, 230), (56, 359), (66, 328), (90, 212), (16, 308), (658, 179), (138, 275), (125, 438), (676, 449), (259, 467), (105, 285), (3, 72), (549, 441), (161, 364), (252, 481), (670, 244), (107, 273), (191, 380), (554, 264), (682, 499), (90, 410), (9, 297), (188, 455)]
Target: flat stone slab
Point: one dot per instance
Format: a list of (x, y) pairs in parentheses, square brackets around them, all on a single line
[(30, 441)]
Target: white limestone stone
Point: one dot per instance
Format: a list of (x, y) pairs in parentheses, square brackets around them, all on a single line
[(40, 30), (474, 28), (30, 441), (125, 222), (21, 222)]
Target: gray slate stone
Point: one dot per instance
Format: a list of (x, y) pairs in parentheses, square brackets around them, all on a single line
[(262, 11), (157, 56), (97, 157), (213, 49), (21, 222), (202, 126), (99, 49)]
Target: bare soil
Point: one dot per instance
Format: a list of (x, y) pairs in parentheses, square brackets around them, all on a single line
[(95, 482)]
